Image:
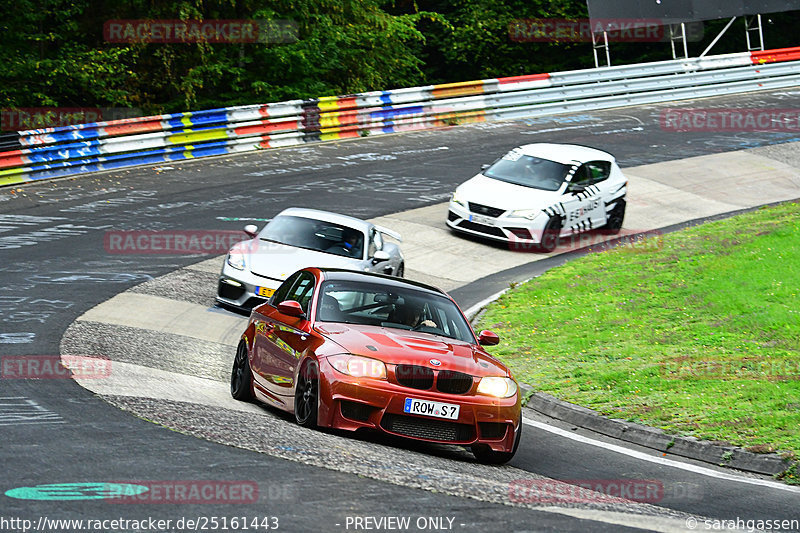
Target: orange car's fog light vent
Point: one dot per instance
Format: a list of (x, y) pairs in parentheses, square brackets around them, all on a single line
[(355, 411), (492, 430)]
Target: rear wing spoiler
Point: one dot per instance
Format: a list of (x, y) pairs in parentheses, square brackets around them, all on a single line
[(389, 232)]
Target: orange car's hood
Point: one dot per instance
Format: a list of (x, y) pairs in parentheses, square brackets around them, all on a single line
[(396, 346)]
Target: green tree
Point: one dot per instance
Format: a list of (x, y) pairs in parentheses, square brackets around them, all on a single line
[(54, 52), (49, 58)]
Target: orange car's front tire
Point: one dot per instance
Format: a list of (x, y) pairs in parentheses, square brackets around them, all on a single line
[(306, 395), (241, 375)]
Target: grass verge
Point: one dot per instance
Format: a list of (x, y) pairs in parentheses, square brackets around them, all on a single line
[(699, 335)]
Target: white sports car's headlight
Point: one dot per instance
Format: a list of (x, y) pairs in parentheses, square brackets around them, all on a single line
[(530, 214), (236, 260), (456, 200), (497, 387)]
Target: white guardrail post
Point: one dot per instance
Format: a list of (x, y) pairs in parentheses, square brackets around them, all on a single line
[(62, 151)]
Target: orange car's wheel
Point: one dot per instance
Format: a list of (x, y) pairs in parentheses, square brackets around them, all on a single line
[(306, 395), (241, 375)]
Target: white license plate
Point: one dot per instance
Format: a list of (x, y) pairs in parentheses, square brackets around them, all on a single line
[(480, 219), (428, 408)]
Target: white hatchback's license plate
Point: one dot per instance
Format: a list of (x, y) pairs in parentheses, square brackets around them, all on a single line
[(480, 219), (429, 408)]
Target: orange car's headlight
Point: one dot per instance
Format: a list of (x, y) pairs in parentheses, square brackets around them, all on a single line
[(358, 366), (498, 387)]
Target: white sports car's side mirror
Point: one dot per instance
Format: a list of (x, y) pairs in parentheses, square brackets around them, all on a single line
[(380, 256), (251, 230)]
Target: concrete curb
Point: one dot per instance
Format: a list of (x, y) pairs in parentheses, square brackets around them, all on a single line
[(656, 439)]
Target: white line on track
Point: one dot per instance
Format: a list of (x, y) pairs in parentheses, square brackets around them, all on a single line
[(661, 460), (576, 127)]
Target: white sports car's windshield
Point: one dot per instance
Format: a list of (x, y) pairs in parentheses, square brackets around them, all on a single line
[(528, 171), (316, 235), (376, 304)]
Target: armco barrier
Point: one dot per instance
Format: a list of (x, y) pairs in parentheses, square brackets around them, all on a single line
[(68, 150)]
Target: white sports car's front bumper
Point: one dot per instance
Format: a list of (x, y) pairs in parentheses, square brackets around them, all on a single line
[(243, 289)]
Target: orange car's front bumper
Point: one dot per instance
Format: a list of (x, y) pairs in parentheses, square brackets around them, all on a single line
[(352, 403)]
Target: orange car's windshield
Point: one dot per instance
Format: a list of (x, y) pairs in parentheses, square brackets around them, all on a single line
[(393, 307)]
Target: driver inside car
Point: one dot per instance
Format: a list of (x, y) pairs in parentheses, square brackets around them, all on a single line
[(411, 315), (351, 243)]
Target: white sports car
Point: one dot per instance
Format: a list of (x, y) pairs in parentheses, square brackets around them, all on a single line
[(537, 193), (297, 238)]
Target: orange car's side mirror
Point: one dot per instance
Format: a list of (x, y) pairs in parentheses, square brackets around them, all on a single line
[(488, 338)]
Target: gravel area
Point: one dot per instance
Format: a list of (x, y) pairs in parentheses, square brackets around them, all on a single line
[(186, 285), (787, 153), (163, 351), (446, 469)]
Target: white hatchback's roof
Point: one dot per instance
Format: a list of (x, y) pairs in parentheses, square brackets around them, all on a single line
[(565, 153)]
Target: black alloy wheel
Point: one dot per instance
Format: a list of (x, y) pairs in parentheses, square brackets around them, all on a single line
[(241, 375), (306, 395)]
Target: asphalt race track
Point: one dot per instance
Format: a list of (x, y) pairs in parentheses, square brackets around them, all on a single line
[(55, 268)]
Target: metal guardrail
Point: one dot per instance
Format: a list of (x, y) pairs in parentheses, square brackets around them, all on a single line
[(63, 151)]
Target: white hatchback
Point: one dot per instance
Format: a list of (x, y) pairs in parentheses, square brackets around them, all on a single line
[(537, 193)]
